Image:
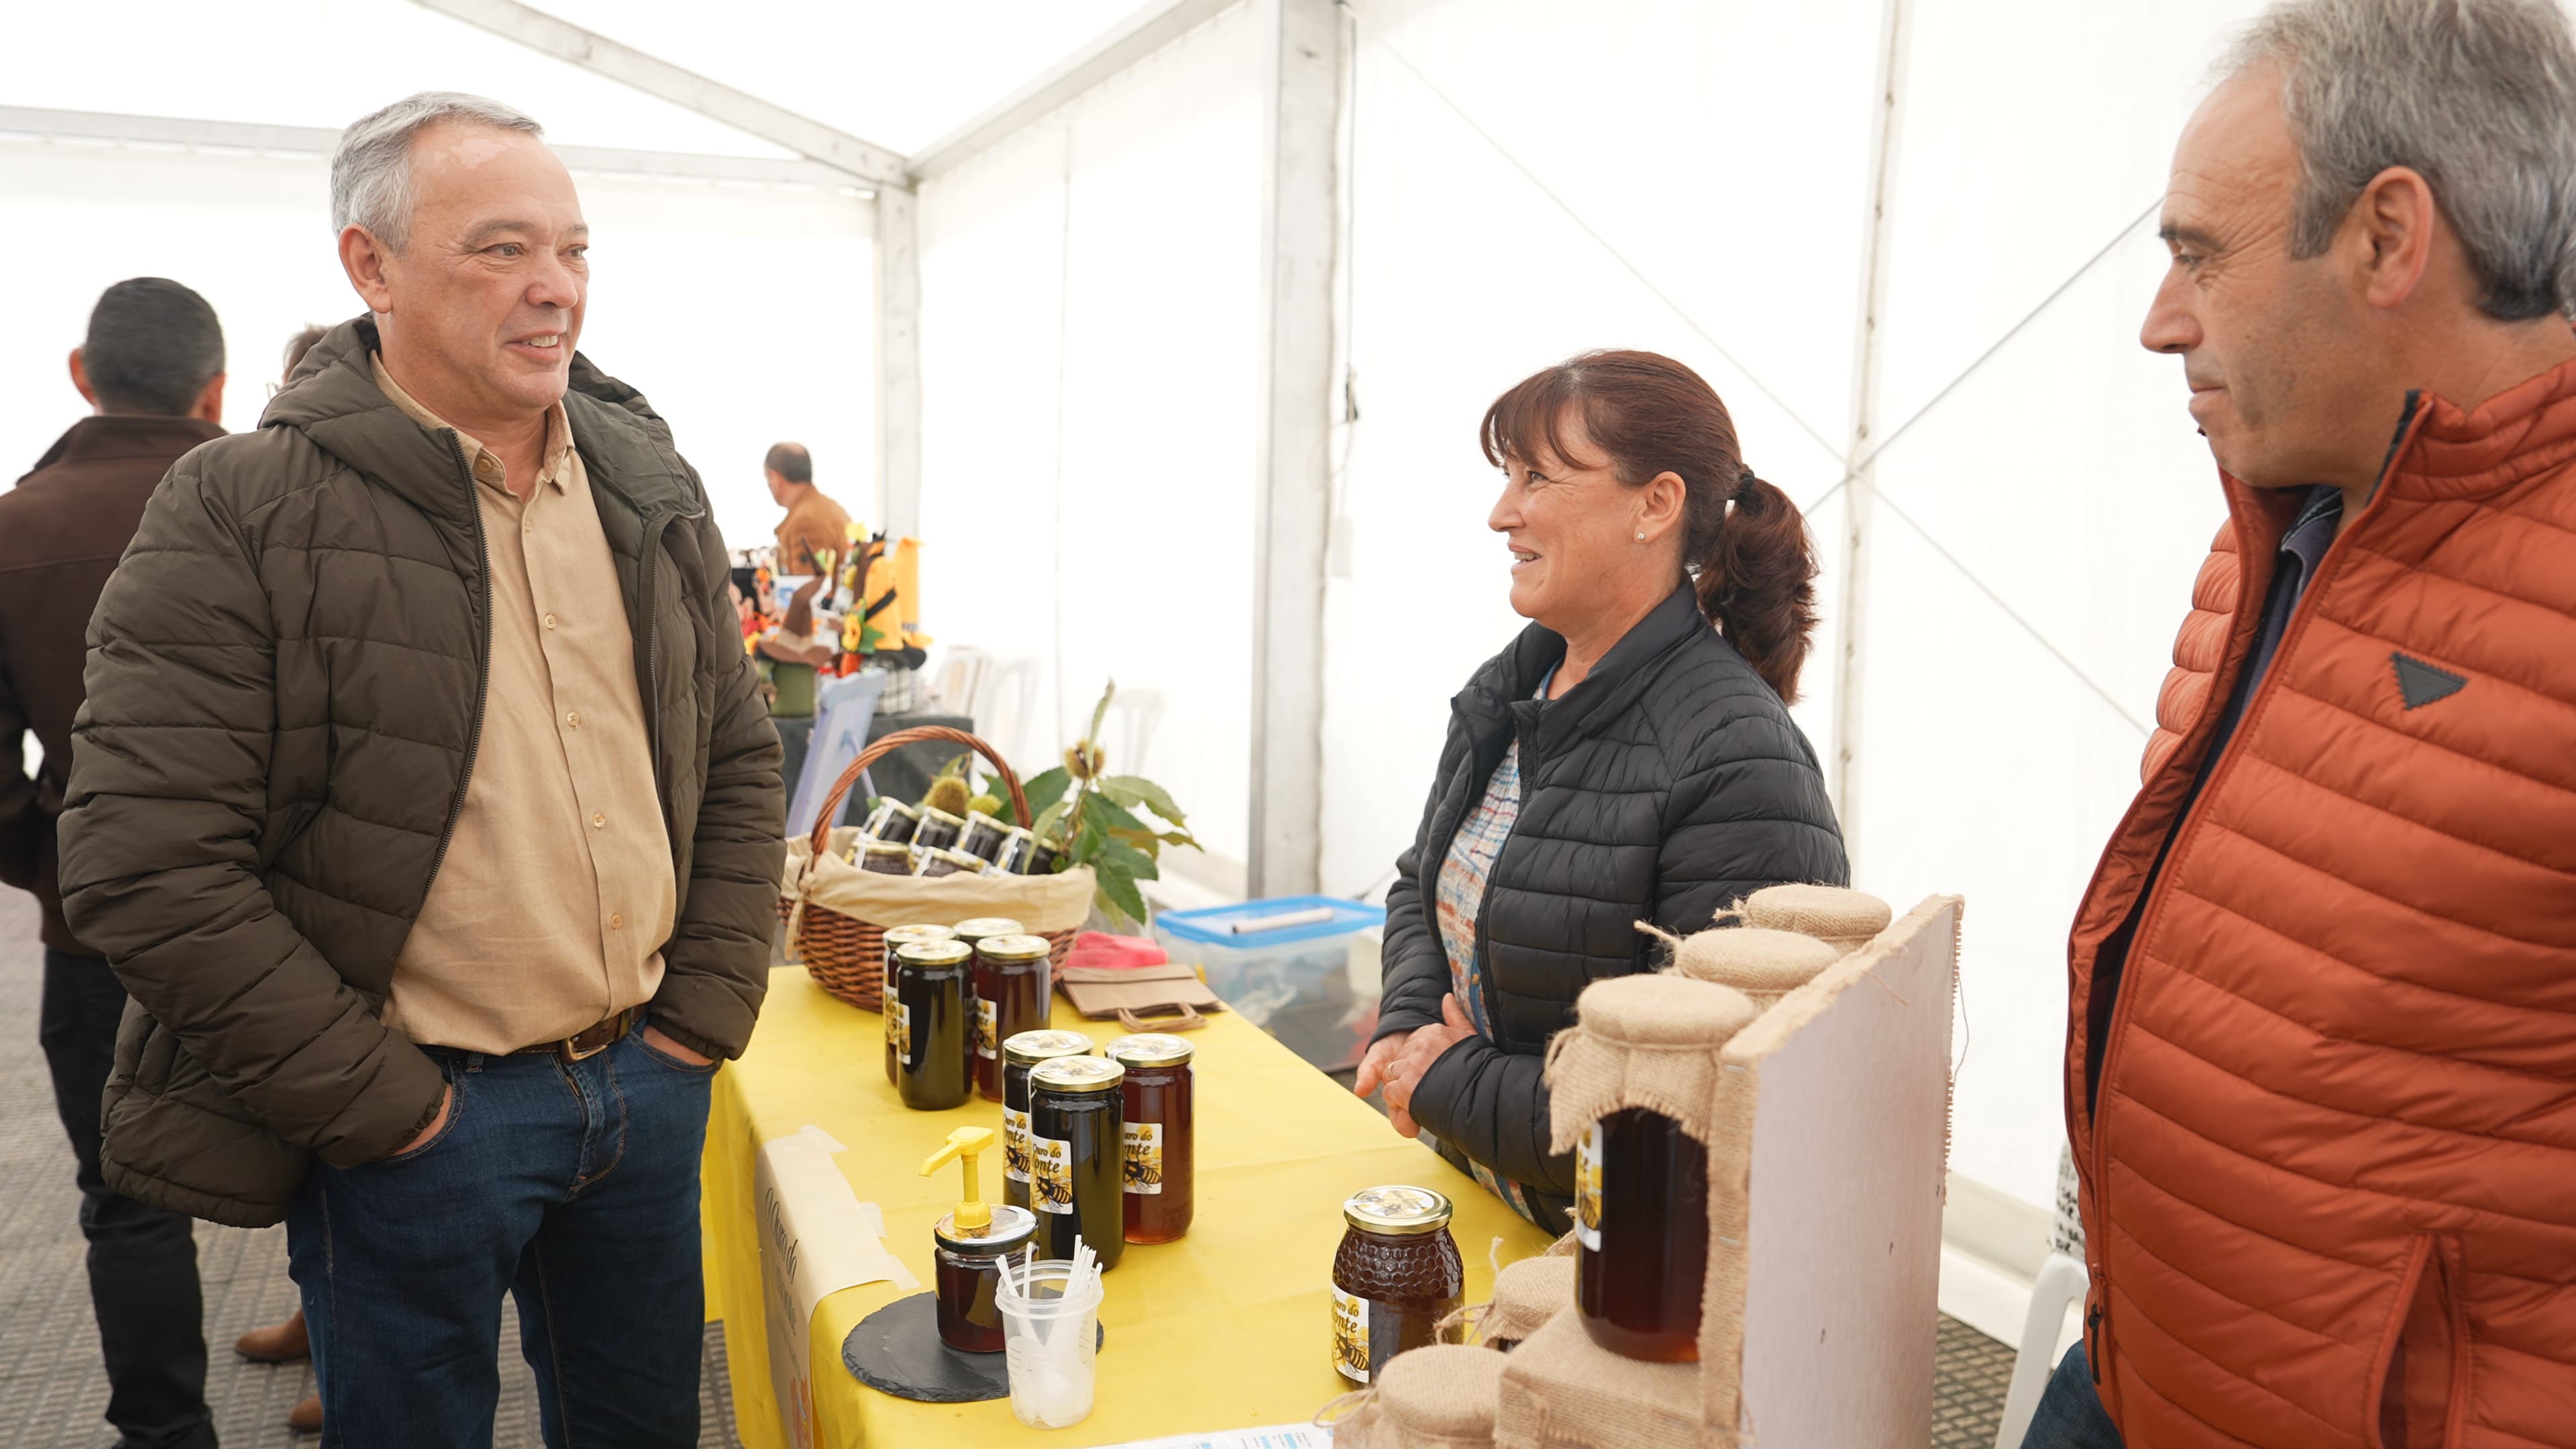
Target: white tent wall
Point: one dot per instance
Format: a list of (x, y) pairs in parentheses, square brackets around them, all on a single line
[(1715, 155), (1090, 317), (742, 311)]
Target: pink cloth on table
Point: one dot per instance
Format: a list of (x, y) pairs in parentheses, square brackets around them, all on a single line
[(1099, 948)]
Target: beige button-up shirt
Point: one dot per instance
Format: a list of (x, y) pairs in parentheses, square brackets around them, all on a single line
[(551, 907)]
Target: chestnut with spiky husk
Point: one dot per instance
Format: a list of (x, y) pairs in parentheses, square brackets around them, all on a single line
[(1116, 824)]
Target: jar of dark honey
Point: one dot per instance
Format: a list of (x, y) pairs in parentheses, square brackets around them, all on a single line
[(1013, 857), (1011, 986), (1396, 1276), (1019, 1054), (1641, 1236), (885, 857), (896, 938), (983, 836), (939, 861), (1041, 859), (1160, 1170), (938, 829), (892, 821), (1076, 1146), (929, 1018)]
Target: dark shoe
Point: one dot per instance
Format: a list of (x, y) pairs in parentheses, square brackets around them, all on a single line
[(284, 1343), (306, 1417)]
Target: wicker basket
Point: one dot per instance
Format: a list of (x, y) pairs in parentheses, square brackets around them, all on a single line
[(844, 954)]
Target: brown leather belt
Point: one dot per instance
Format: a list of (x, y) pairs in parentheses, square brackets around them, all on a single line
[(586, 1043)]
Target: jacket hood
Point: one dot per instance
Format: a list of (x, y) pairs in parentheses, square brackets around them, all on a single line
[(332, 398)]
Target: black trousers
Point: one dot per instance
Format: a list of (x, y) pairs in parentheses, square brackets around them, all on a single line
[(142, 1260)]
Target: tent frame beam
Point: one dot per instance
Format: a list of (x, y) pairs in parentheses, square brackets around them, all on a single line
[(1301, 225), (321, 141), (865, 161)]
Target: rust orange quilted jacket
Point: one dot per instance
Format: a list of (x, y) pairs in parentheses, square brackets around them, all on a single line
[(2329, 1187)]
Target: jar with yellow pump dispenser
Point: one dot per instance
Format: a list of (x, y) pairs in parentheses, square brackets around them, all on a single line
[(971, 1240)]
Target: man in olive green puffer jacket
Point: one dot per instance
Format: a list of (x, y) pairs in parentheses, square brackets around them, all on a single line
[(425, 802)]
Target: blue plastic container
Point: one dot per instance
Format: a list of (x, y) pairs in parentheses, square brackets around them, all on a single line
[(1294, 980)]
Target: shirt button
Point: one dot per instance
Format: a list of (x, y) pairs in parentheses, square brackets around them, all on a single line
[(617, 922), (550, 621), (599, 822), (573, 719)]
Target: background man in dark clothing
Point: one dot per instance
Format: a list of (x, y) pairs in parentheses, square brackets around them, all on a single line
[(153, 369)]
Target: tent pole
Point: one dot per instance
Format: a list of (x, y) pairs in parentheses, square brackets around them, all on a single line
[(1300, 236), (898, 362), (1854, 554)]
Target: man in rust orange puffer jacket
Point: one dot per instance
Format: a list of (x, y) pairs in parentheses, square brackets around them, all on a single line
[(2321, 1065)]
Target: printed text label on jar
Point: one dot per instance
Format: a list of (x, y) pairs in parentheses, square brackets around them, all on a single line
[(1142, 1172), (1051, 1174)]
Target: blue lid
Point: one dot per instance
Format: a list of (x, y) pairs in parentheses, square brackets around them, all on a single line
[(1215, 924)]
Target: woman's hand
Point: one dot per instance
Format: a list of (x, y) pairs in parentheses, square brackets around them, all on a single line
[(1409, 1065)]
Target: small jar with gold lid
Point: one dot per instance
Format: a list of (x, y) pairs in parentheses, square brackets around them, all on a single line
[(1020, 1054), (896, 938), (1395, 1277), (929, 1011), (1012, 983), (1160, 1172), (1076, 1148)]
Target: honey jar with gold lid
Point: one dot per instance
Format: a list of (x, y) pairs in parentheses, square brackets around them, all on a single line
[(1396, 1275), (1160, 1174), (1076, 1150), (1019, 1054)]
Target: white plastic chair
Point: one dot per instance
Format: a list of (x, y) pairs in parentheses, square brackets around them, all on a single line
[(2061, 1282)]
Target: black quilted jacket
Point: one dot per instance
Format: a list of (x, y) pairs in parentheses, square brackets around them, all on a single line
[(286, 681), (1666, 785)]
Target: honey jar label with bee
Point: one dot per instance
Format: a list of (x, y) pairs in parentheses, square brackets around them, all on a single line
[(988, 1040), (1015, 1145), (1142, 1170), (1587, 1189), (1051, 1174), (898, 1022), (1350, 1336)]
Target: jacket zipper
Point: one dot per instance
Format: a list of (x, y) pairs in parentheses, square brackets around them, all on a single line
[(482, 666), (649, 573), (2097, 1312)]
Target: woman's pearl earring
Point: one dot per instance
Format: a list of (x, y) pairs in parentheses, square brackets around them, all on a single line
[(1641, 538)]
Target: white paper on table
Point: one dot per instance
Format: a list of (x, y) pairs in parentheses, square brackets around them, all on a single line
[(816, 1238), (1277, 1436)]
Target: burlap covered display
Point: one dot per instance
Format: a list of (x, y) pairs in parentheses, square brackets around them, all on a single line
[(1442, 1396), (1843, 919), (1560, 1390), (1526, 1295), (1763, 964), (1646, 1041)]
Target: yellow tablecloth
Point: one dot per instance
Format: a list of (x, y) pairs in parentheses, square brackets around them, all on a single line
[(1228, 1328)]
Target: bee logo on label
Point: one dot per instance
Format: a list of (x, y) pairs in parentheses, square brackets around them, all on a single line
[(1587, 1190), (988, 1042), (898, 1022), (1350, 1337), (1141, 1169), (1015, 1145), (1051, 1174)]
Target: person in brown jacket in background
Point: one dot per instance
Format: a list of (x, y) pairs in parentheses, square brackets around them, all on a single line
[(814, 522), (152, 370)]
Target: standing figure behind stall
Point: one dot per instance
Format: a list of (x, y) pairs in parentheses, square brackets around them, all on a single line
[(814, 523), (1629, 758)]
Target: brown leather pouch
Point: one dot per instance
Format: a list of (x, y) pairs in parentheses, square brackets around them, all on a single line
[(1169, 997)]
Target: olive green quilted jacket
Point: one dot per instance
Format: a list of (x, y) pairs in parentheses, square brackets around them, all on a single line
[(286, 680)]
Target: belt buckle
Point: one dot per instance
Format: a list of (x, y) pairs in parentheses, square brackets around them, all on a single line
[(570, 1051)]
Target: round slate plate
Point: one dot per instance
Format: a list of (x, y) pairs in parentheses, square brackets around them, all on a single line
[(897, 1350)]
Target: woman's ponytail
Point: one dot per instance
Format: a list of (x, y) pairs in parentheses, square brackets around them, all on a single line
[(1756, 578)]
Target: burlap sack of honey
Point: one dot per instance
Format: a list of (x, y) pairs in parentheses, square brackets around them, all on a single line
[(1526, 1295), (1044, 904), (1647, 1041), (1560, 1390), (1763, 964), (1438, 1397), (1843, 919)]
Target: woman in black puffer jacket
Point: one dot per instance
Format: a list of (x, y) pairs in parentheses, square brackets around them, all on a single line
[(1629, 758)]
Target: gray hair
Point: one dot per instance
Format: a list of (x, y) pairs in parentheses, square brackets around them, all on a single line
[(371, 172), (2478, 96)]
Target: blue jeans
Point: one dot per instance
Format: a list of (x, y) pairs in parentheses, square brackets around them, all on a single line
[(2070, 1414), (573, 1187)]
